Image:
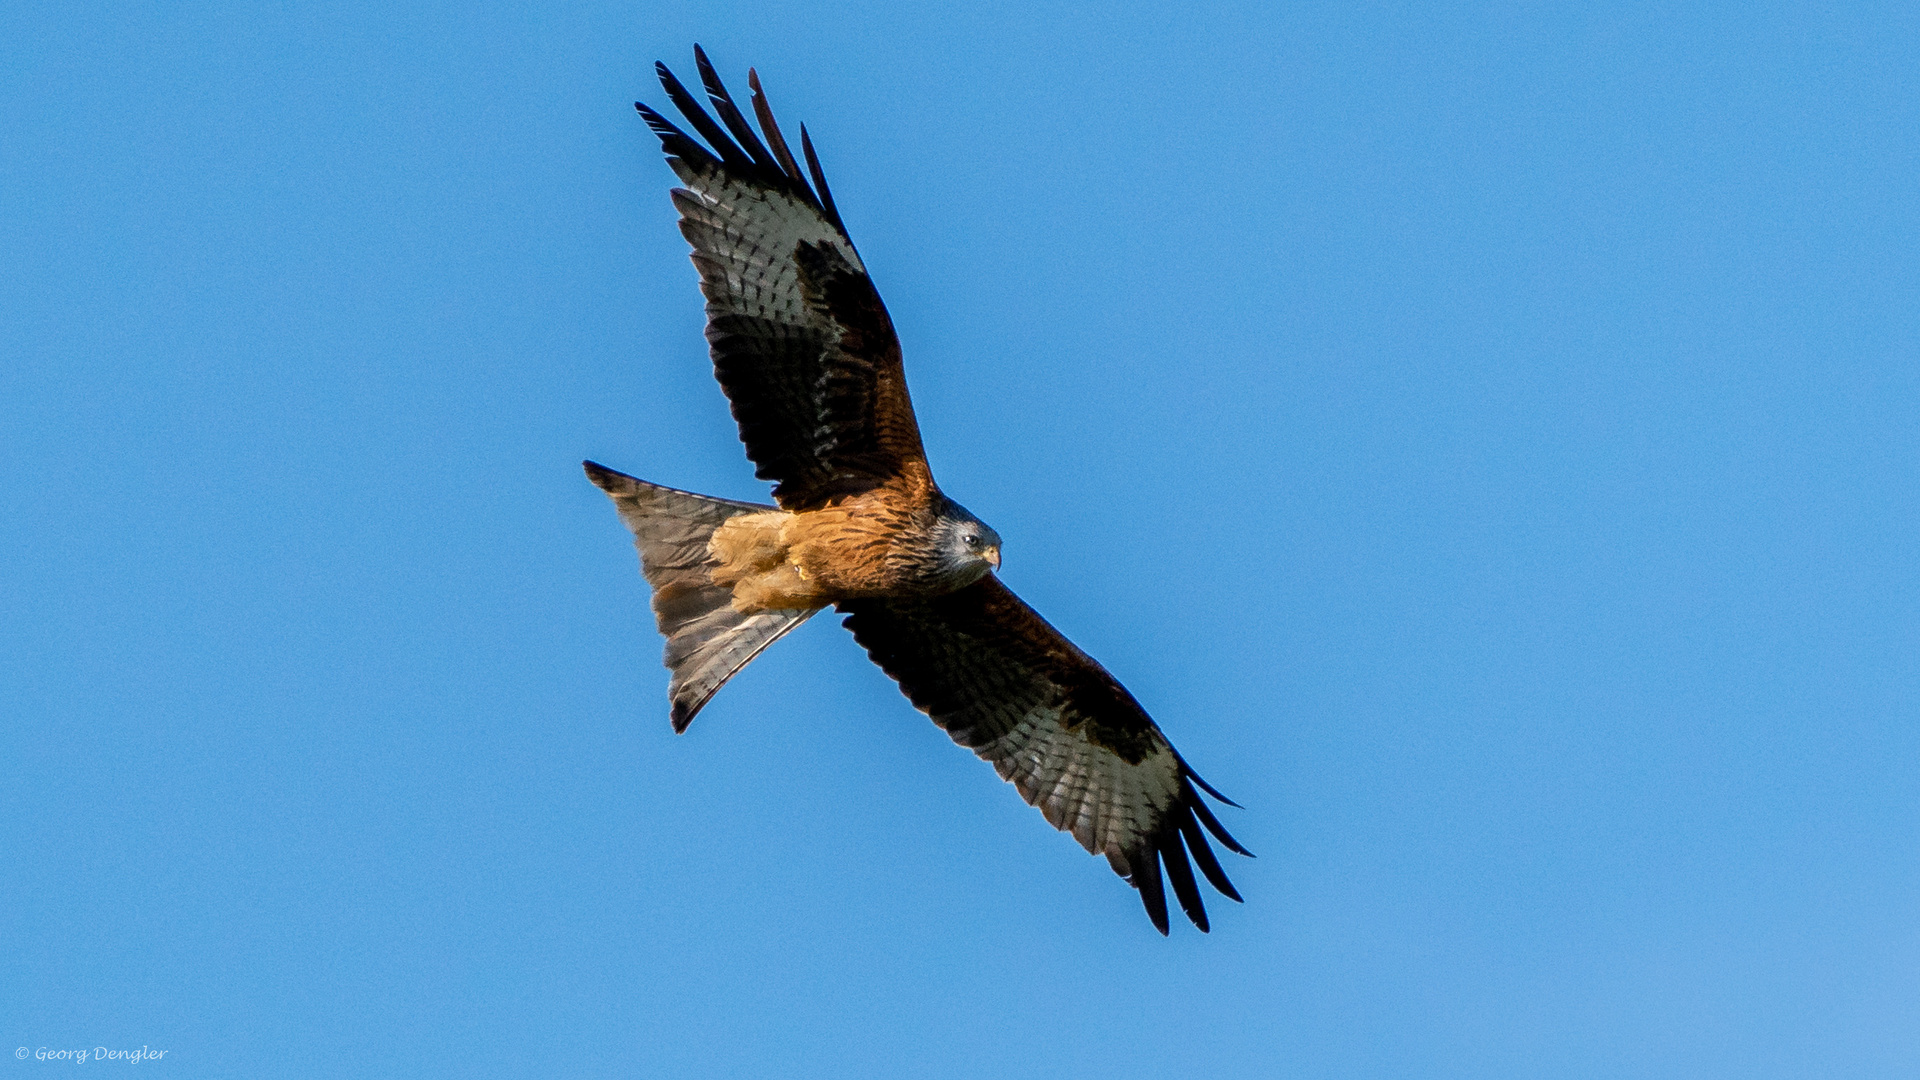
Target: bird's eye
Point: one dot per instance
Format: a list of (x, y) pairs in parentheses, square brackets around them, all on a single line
[(973, 541)]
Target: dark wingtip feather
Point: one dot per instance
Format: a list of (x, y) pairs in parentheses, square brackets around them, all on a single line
[(737, 147), (675, 142), (660, 124), (1218, 830), (1203, 855), (681, 716), (689, 107), (1146, 877), (723, 104), (1180, 874), (827, 207), (775, 140), (1206, 787)]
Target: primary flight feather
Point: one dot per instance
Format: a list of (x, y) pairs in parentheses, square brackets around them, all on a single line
[(807, 356)]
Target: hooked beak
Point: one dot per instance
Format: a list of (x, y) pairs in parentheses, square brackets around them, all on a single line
[(992, 555)]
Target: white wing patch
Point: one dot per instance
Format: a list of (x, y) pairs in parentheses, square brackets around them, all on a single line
[(744, 239), (1084, 789)]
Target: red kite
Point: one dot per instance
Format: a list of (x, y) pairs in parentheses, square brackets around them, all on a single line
[(807, 355)]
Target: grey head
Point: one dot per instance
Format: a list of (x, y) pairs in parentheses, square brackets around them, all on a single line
[(965, 549)]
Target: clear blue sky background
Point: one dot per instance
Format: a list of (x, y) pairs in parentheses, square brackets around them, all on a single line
[(1484, 436)]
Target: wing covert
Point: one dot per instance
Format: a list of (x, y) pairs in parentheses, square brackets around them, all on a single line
[(801, 343), (1008, 686)]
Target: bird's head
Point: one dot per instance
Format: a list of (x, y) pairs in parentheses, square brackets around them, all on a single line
[(966, 547)]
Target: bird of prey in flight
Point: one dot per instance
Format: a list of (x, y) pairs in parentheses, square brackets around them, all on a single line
[(808, 358)]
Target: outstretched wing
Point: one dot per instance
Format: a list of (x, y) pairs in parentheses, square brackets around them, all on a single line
[(1005, 684), (801, 343)]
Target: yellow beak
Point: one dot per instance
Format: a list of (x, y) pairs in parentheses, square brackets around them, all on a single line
[(992, 555)]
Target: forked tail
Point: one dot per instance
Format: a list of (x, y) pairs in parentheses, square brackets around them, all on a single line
[(707, 640)]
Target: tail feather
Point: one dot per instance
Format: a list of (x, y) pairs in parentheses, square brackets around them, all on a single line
[(707, 640)]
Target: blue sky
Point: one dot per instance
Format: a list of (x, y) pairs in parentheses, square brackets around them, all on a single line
[(1484, 436)]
